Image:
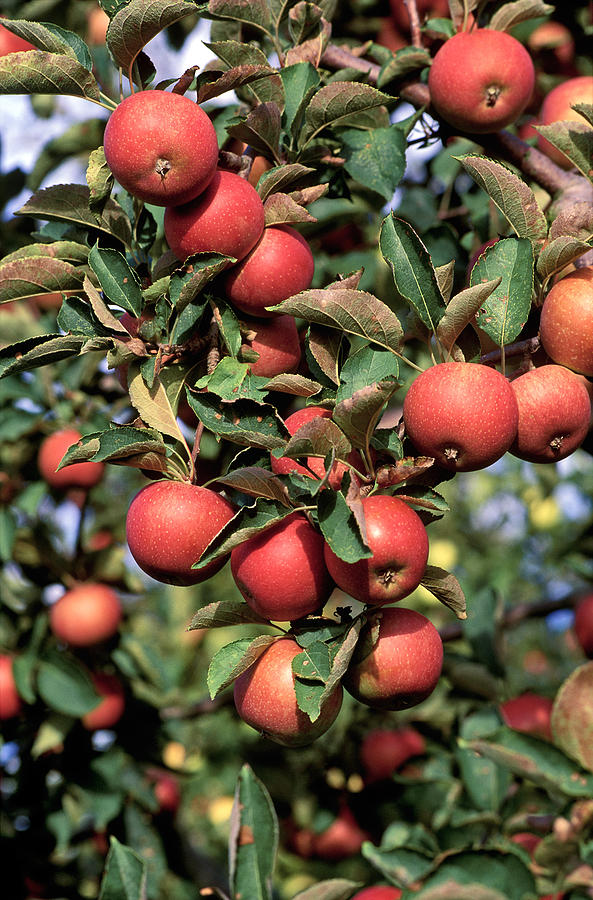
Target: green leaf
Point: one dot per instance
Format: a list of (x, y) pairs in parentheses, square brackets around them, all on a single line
[(406, 60), (366, 366), (514, 198), (486, 783), (512, 14), (535, 760), (244, 422), (340, 528), (249, 521), (300, 81), (122, 444), (572, 716), (376, 159), (401, 866), (462, 309), (142, 835), (254, 12), (138, 22), (34, 276), (253, 841), (223, 613), (336, 103), (234, 54), (125, 874), (480, 875), (345, 309), (99, 178), (38, 72), (46, 349), (65, 686), (153, 404), (330, 889), (574, 139), (413, 272), (557, 254), (51, 735), (118, 281), (282, 177), (70, 203), (51, 38), (7, 533), (504, 313), (233, 659)]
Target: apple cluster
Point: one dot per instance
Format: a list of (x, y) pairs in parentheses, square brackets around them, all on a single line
[(209, 209)]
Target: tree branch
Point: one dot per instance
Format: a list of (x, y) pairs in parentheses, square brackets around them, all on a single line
[(516, 614), (415, 30)]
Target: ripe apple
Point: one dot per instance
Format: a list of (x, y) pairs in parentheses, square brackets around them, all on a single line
[(530, 713), (557, 107), (166, 790), (566, 323), (97, 23), (399, 544), (390, 36), (86, 615), (10, 701), (480, 81), (259, 165), (277, 342), (11, 43), (111, 707), (583, 624), (265, 698), (281, 572), (379, 892), (527, 840), (555, 41), (78, 475), (280, 265), (397, 661), (384, 750), (463, 414), (227, 218), (284, 465), (161, 147), (554, 413), (342, 839), (169, 525)]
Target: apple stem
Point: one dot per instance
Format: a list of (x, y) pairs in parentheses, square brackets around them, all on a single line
[(196, 450), (415, 30)]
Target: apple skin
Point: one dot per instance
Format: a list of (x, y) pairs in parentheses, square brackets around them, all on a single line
[(390, 36), (265, 698), (583, 624), (280, 265), (161, 147), (402, 668), (566, 323), (557, 107), (463, 414), (399, 543), (529, 713), (342, 839), (166, 790), (481, 81), (228, 218), (168, 526), (554, 414), (10, 701), (384, 750), (11, 43), (277, 342), (111, 708), (78, 475), (86, 615), (378, 892), (281, 572), (555, 41)]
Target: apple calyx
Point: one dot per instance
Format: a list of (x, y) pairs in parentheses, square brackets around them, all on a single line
[(492, 94), (162, 167)]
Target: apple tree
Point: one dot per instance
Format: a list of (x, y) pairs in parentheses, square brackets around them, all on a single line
[(296, 468)]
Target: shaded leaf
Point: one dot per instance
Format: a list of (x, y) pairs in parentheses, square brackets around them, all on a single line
[(318, 437), (336, 102), (256, 482), (358, 415), (33, 276), (511, 14), (244, 422), (281, 209), (574, 139), (117, 279), (70, 203), (153, 404), (297, 385), (504, 313), (377, 158), (446, 588), (133, 26), (261, 129), (406, 60), (332, 889), (340, 528), (224, 613), (38, 72), (210, 85), (124, 877), (557, 254), (99, 178), (64, 684), (233, 659), (572, 716), (461, 310), (253, 840), (234, 53)]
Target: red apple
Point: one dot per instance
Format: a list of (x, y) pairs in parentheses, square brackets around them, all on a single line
[(284, 465), (481, 81), (86, 615), (397, 661), (342, 839), (281, 572), (384, 750), (379, 892), (78, 475), (557, 107), (277, 342), (554, 413), (527, 840), (111, 707), (530, 713), (566, 324), (583, 624), (11, 43), (265, 698), (166, 790), (169, 525), (227, 218), (10, 701), (463, 414), (97, 23), (390, 36), (280, 265), (161, 147), (553, 39), (399, 544)]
